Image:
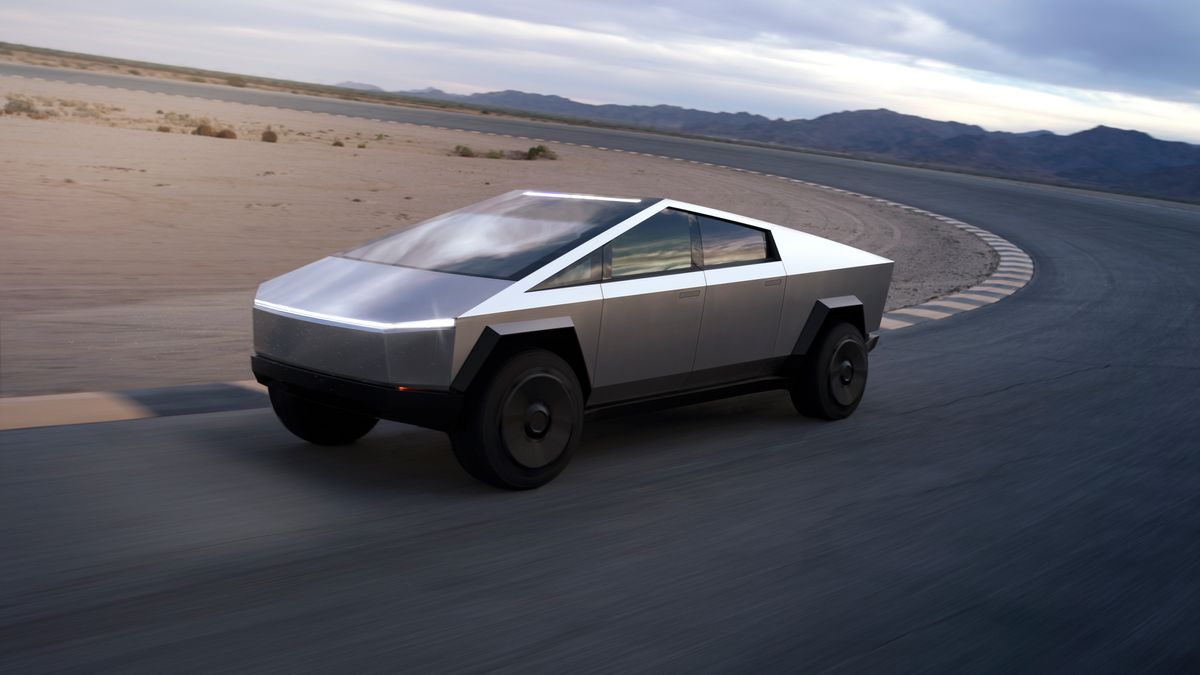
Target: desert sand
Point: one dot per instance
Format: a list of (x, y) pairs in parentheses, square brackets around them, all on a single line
[(129, 256)]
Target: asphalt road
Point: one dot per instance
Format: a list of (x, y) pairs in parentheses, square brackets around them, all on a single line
[(1020, 492)]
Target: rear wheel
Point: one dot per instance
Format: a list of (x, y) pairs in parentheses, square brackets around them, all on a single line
[(318, 423), (521, 426), (831, 382)]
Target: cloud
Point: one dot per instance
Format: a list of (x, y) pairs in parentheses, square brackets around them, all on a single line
[(1147, 48), (1018, 67)]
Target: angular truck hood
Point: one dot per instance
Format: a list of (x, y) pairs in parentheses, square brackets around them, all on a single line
[(373, 296)]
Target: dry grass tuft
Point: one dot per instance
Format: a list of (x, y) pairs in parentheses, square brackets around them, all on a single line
[(204, 130), (361, 146), (226, 133), (18, 105), (339, 144), (269, 136), (540, 152), (164, 129), (536, 152), (185, 120)]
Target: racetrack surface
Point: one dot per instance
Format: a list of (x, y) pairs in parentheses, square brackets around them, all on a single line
[(1020, 491)]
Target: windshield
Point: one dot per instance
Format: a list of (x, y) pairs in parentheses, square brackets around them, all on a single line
[(505, 237)]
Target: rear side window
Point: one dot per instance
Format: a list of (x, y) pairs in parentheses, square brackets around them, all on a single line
[(726, 243), (661, 243)]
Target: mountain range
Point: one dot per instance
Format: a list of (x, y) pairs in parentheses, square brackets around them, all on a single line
[(1101, 157)]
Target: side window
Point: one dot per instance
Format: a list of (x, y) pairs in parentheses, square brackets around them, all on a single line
[(726, 243), (661, 243), (583, 271)]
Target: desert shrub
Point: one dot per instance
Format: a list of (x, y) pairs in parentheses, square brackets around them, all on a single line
[(464, 151), (164, 128), (235, 81), (195, 79), (185, 120), (362, 145), (339, 144), (17, 106), (269, 136), (494, 154), (134, 71), (380, 137), (86, 110), (204, 130), (226, 133), (540, 152)]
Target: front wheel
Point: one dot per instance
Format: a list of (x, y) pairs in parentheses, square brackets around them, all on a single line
[(317, 423), (520, 428), (832, 380)]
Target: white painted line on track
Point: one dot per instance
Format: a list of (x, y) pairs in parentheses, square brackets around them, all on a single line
[(951, 304), (921, 312), (974, 296), (893, 324)]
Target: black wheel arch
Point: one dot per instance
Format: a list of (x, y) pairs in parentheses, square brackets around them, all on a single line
[(497, 343), (826, 312)]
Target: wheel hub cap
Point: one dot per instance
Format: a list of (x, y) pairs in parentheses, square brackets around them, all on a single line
[(536, 419), (846, 372)]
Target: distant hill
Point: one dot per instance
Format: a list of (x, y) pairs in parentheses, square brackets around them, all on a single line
[(1102, 157), (360, 86)]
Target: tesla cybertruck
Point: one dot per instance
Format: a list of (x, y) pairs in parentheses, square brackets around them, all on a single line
[(505, 323)]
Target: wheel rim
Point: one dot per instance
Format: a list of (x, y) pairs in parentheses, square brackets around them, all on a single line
[(537, 419), (847, 373)]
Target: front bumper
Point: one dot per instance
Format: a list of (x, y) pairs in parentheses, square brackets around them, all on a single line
[(423, 408)]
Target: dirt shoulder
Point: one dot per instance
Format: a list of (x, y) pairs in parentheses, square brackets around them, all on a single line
[(130, 255)]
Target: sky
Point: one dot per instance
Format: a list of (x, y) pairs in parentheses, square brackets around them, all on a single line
[(1011, 65)]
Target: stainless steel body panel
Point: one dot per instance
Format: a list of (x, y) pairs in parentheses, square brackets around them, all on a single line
[(368, 321), (321, 346), (343, 290), (414, 358), (648, 332), (741, 318), (869, 284)]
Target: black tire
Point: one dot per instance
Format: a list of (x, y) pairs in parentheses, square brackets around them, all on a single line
[(317, 423), (832, 380), (522, 423)]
